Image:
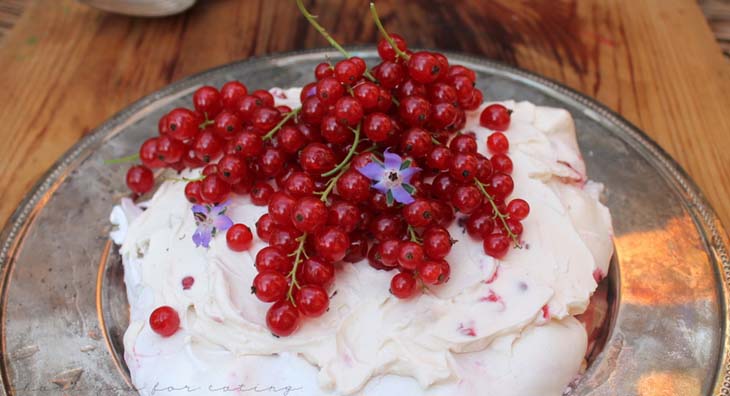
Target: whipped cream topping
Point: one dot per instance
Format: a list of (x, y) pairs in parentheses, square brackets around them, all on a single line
[(486, 328)]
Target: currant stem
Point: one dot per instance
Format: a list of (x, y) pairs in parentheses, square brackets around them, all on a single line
[(497, 213), (293, 273), (413, 235), (324, 195), (385, 34), (349, 155), (185, 179), (123, 160), (281, 123), (313, 21)]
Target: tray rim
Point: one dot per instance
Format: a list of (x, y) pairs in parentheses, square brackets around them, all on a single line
[(712, 230)]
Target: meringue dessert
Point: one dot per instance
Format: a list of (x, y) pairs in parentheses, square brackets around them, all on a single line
[(499, 326)]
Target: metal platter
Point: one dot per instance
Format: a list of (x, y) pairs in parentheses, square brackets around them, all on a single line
[(64, 309)]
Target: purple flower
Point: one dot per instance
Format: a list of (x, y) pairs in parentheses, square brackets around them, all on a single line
[(392, 177), (210, 220)]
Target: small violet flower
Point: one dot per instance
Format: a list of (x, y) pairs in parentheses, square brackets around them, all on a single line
[(210, 220), (392, 177)]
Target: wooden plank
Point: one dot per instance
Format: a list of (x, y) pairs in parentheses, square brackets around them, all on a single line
[(66, 67)]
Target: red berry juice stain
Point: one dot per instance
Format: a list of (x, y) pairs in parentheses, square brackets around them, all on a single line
[(188, 282)]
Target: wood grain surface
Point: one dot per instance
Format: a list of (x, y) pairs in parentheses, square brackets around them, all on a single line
[(65, 68)]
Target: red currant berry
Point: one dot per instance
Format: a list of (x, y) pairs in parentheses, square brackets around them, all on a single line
[(182, 124), (231, 169), (261, 193), (312, 301), (367, 94), (374, 259), (498, 143), (388, 252), (140, 179), (329, 90), (385, 101), (284, 238), (316, 271), (273, 259), (443, 213), (464, 167), (192, 191), (496, 245), (416, 143), (299, 184), (282, 318), (247, 106), (436, 243), (239, 237), (265, 118), (207, 147), (344, 215), (309, 214), (266, 97), (411, 88), (410, 255), (348, 111), (214, 189), (424, 67), (271, 162), (467, 199), (463, 85), (443, 115), (334, 132), (464, 143), (331, 243), (386, 227), (459, 70), (495, 117), (439, 159), (480, 224), (353, 186), (358, 250), (264, 227), (445, 272), (148, 154), (430, 272), (442, 93), (518, 209), (291, 139), (390, 74), (208, 101), (169, 150), (347, 72), (419, 213), (414, 111), (281, 205), (484, 169), (386, 51), (443, 186), (323, 70), (270, 286), (359, 64), (316, 158), (501, 186), (377, 127), (226, 125), (313, 110), (473, 101), (231, 93), (165, 321), (501, 163), (403, 285)]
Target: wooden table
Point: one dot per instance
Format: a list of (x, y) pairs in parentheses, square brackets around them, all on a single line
[(65, 68)]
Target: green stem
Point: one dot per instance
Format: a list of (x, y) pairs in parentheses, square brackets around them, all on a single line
[(313, 21), (389, 39), (293, 273), (281, 123), (185, 179), (123, 160), (502, 217), (324, 195), (349, 155), (413, 235)]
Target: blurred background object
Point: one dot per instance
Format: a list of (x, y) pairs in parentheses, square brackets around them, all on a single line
[(144, 8), (718, 14)]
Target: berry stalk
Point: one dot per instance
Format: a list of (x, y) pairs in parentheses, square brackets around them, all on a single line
[(122, 160), (281, 123), (502, 217), (313, 21), (293, 273), (385, 34)]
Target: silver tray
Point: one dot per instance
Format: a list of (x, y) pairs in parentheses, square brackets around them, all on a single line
[(64, 310)]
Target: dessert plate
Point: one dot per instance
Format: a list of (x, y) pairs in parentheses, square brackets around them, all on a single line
[(64, 308)]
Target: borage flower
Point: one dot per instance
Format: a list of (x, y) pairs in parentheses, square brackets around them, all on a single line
[(392, 177), (210, 220)]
